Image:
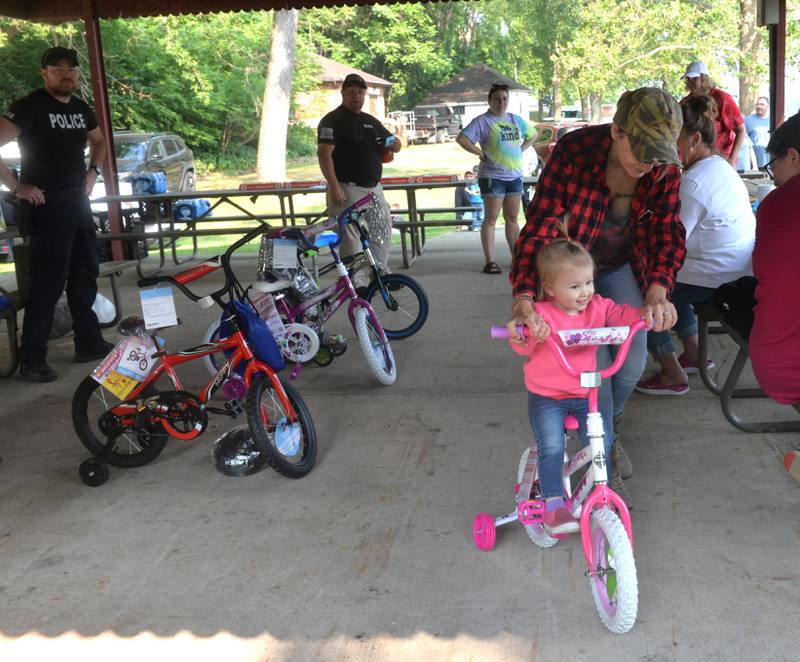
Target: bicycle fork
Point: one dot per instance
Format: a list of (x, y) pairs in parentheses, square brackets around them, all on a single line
[(602, 495)]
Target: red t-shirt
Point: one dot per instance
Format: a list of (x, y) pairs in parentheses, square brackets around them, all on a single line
[(775, 339), (728, 118)]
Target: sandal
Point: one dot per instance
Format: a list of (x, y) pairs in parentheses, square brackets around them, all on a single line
[(492, 268)]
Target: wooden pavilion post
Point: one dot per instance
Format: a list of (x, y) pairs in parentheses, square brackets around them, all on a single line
[(102, 109)]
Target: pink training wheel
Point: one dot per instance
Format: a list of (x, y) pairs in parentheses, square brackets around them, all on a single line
[(483, 531)]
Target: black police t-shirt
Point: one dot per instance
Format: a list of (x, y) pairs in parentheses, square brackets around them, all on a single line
[(358, 138), (53, 139)]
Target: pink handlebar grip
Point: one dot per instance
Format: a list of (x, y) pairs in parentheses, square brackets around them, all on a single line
[(501, 332)]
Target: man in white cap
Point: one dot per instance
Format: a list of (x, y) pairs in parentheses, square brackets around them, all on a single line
[(730, 121)]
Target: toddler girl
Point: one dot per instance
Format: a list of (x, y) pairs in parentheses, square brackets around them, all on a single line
[(566, 301)]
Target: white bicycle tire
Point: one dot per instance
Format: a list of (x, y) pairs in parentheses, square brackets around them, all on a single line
[(606, 523), (535, 531), (208, 361), (375, 360)]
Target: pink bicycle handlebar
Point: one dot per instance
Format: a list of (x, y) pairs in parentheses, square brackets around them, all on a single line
[(501, 332)]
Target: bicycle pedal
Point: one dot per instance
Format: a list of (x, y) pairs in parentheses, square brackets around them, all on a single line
[(234, 407), (530, 512)]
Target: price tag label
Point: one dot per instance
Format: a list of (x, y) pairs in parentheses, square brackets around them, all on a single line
[(284, 254), (158, 308)]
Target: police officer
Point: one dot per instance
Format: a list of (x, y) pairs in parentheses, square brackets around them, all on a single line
[(350, 148), (53, 128)]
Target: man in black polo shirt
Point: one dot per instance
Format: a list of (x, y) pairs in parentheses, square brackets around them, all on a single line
[(350, 153), (53, 128)]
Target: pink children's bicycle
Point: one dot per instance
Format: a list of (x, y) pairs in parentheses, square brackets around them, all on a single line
[(602, 516)]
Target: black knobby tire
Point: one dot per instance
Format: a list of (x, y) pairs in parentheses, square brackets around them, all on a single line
[(263, 399), (134, 447), (407, 309)]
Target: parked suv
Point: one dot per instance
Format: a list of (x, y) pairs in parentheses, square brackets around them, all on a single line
[(155, 152)]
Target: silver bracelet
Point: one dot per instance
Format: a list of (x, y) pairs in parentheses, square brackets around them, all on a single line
[(521, 297)]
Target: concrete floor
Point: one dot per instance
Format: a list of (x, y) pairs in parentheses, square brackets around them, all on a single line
[(370, 556)]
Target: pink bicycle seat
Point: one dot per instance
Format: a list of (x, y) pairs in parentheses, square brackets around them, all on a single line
[(570, 422)]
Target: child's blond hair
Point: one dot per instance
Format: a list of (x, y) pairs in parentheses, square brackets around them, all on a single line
[(555, 255)]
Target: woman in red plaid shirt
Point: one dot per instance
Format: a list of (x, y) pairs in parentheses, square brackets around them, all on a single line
[(615, 188)]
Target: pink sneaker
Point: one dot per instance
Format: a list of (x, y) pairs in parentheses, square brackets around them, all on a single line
[(653, 386), (693, 367), (560, 521)]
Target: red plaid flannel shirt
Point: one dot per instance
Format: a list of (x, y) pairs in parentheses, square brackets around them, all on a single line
[(573, 181)]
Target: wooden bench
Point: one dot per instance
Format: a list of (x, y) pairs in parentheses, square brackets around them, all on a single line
[(728, 391), (412, 233)]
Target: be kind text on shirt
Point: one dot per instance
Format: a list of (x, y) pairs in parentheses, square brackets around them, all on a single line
[(65, 121)]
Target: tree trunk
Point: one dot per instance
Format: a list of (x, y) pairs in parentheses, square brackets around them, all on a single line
[(271, 164), (750, 47), (586, 111), (555, 107), (596, 102)]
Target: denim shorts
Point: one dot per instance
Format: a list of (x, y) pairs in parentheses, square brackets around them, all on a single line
[(500, 188)]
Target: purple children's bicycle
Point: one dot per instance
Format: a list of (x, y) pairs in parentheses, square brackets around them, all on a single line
[(296, 308), (602, 516)]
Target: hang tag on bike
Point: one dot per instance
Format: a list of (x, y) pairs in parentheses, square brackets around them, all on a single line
[(137, 359), (158, 308), (284, 254), (107, 376)]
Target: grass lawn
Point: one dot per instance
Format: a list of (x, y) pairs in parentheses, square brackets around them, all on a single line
[(415, 160)]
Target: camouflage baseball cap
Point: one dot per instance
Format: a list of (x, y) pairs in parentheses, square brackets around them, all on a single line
[(652, 120)]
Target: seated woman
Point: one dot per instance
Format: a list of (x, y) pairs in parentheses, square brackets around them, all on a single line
[(720, 227), (775, 339)]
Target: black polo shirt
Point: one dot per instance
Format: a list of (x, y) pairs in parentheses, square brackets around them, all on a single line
[(52, 140), (358, 138)]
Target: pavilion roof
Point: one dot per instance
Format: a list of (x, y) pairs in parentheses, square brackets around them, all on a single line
[(56, 11)]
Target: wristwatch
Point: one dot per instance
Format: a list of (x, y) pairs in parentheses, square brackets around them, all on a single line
[(96, 168)]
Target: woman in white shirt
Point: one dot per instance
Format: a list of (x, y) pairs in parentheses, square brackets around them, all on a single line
[(720, 230)]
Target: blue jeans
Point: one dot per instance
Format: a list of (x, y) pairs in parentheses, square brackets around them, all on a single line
[(475, 216), (683, 296), (547, 420), (500, 188), (620, 286)]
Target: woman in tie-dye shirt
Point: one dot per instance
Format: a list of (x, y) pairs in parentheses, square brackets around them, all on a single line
[(498, 138)]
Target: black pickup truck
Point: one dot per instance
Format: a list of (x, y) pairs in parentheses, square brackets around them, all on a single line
[(435, 122)]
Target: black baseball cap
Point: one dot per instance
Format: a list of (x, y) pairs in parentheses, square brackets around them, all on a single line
[(52, 56), (353, 79)]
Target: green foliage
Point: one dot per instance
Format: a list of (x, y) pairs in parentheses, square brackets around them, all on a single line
[(203, 76), (301, 141)]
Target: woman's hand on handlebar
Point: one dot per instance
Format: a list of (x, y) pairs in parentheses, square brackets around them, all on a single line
[(523, 314), (658, 311)]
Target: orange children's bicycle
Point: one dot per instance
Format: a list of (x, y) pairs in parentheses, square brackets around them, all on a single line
[(124, 416)]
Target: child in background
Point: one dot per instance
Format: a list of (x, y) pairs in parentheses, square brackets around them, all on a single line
[(475, 199), (566, 301)]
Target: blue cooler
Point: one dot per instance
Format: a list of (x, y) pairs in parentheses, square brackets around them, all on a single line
[(149, 183), (190, 210)]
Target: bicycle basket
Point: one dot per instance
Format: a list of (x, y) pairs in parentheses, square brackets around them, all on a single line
[(301, 280), (258, 335)]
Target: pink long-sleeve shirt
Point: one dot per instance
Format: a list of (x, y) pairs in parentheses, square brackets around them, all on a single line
[(543, 375)]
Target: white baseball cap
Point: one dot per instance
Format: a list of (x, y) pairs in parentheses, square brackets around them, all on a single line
[(695, 69)]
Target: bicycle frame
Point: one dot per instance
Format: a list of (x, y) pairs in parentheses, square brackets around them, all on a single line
[(334, 295), (168, 362)]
